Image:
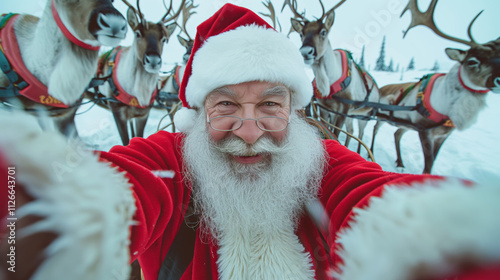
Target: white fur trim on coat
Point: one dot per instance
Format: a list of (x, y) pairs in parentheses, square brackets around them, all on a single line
[(87, 203), (248, 53), (429, 229)]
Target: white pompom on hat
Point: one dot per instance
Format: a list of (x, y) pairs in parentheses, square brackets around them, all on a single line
[(234, 46)]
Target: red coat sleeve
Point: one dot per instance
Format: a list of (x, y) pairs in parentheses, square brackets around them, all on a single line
[(349, 182), (161, 202)]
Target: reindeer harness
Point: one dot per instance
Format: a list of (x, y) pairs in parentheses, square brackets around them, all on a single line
[(424, 106), (22, 82), (112, 58), (176, 82), (345, 80), (67, 33)]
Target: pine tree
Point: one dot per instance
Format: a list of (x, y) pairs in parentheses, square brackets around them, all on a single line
[(411, 65), (435, 68), (390, 68), (362, 59), (380, 64)]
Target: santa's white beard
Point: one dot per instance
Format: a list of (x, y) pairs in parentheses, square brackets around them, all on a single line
[(252, 203)]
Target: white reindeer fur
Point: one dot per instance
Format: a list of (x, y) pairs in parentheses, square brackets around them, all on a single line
[(430, 227), (325, 71), (454, 101), (449, 98), (328, 69), (169, 84), (64, 68), (134, 79), (87, 203)]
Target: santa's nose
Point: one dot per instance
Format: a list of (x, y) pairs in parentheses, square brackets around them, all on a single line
[(249, 131)]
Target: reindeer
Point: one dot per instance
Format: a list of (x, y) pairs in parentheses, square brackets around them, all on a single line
[(50, 60), (169, 85), (134, 71), (443, 102), (336, 73)]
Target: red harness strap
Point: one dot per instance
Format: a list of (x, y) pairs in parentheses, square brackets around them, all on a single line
[(177, 75), (423, 100), (67, 33), (341, 83), (466, 87), (122, 95), (36, 90)]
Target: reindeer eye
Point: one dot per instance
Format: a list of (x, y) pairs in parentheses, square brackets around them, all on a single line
[(472, 62), (138, 34), (163, 40), (322, 32)]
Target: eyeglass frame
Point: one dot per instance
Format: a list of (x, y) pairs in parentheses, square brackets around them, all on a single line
[(256, 120), (241, 122)]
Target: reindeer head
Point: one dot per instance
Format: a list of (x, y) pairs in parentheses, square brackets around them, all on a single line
[(189, 42), (314, 34), (480, 64), (101, 21), (150, 37), (188, 45)]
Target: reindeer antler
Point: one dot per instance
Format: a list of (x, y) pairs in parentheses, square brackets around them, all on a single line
[(164, 19), (329, 11), (136, 11), (293, 7), (427, 19), (272, 14), (186, 14)]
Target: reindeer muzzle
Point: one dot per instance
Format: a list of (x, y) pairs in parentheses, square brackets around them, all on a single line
[(493, 81)]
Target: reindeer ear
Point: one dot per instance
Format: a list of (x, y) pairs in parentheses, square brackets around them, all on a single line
[(169, 29), (456, 54), (132, 19), (296, 25), (329, 20), (183, 41)]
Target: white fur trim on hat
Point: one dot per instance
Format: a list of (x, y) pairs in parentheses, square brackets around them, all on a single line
[(184, 119), (248, 53)]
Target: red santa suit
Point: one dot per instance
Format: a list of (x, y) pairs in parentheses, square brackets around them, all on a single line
[(110, 208), (350, 182)]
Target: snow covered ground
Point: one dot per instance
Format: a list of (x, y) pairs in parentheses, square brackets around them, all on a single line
[(470, 154)]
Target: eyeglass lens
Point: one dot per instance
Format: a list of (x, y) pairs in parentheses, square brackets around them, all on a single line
[(229, 123)]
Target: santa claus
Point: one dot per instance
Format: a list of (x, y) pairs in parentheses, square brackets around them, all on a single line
[(254, 193)]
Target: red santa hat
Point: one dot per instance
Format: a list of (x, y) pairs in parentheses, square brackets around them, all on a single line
[(234, 46)]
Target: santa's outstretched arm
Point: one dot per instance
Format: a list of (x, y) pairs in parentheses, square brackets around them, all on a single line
[(401, 226), (69, 212)]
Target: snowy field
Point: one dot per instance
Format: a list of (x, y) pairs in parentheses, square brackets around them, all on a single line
[(470, 154)]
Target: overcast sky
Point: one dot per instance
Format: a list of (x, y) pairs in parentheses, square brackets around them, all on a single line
[(357, 23)]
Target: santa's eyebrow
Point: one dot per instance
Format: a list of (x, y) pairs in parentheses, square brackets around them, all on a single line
[(223, 90), (276, 90)]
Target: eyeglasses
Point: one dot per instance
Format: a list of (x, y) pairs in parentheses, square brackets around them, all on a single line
[(231, 123)]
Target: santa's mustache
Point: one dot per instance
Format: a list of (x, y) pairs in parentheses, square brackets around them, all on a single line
[(237, 147)]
